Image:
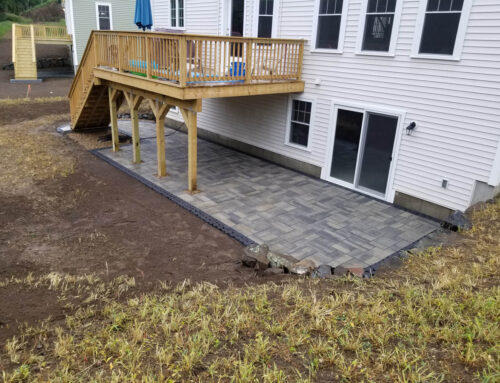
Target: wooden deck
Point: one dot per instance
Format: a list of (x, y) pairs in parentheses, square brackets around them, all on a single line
[(24, 40), (176, 70)]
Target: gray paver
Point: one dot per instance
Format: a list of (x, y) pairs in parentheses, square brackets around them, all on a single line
[(293, 213)]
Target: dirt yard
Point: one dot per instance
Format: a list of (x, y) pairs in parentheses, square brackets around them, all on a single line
[(52, 87), (64, 210), (102, 279)]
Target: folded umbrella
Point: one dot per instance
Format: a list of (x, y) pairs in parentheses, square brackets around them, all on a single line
[(143, 15)]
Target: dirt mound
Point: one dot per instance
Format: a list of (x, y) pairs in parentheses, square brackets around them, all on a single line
[(47, 13)]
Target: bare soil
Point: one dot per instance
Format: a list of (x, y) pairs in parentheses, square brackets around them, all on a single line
[(96, 220), (17, 113), (51, 87)]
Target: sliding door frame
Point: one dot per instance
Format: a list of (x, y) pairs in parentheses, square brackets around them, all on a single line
[(366, 109)]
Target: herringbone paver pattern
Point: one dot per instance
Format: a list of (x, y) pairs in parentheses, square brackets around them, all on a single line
[(293, 213)]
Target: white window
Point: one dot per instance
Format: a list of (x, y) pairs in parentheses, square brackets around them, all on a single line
[(441, 28), (329, 26), (379, 24), (265, 23), (177, 13), (104, 17), (299, 124)]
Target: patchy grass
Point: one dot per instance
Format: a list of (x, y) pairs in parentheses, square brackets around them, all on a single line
[(38, 100), (28, 156), (433, 320)]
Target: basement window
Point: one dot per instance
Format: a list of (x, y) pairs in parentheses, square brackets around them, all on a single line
[(300, 122)]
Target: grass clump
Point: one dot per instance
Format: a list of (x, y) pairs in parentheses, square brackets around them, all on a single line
[(27, 100), (433, 320)]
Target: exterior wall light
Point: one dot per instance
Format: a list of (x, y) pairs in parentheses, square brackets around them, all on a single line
[(410, 128)]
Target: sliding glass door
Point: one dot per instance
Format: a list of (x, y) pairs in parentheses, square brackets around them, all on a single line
[(362, 149)]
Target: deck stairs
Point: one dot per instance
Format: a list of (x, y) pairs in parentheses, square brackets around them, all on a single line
[(24, 40)]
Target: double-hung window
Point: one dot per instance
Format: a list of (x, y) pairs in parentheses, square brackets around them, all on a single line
[(103, 16), (330, 24), (379, 25), (177, 13), (441, 28), (439, 33), (300, 123), (265, 18)]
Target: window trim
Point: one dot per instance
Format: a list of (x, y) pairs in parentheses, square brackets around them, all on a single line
[(274, 30), (459, 41), (289, 121), (394, 34), (109, 5), (343, 23), (176, 15)]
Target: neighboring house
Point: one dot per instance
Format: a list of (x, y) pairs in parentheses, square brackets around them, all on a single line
[(372, 68), (83, 16)]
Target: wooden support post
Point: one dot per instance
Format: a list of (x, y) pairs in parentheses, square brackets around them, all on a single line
[(32, 31), (190, 118), (14, 26), (133, 102), (160, 111), (113, 94)]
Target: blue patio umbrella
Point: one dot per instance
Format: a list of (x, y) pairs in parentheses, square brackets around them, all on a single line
[(143, 15)]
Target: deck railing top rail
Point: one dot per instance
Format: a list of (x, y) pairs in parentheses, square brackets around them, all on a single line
[(199, 60), (42, 32)]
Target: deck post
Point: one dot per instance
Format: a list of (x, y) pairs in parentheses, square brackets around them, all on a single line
[(182, 61), (14, 26), (113, 94), (160, 110), (248, 64), (149, 62), (133, 102), (301, 59), (190, 118)]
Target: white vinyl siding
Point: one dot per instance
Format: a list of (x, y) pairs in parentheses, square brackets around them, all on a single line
[(85, 20), (455, 104), (200, 16)]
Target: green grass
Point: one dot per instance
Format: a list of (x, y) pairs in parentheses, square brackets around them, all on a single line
[(60, 23), (5, 27), (6, 21)]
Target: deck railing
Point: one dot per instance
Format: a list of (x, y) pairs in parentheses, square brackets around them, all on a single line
[(191, 60), (83, 79), (42, 32), (187, 60), (51, 32)]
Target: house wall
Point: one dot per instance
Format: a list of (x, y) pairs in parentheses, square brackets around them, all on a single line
[(455, 104), (85, 20)]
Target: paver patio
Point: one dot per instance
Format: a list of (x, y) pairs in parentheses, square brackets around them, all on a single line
[(293, 213)]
